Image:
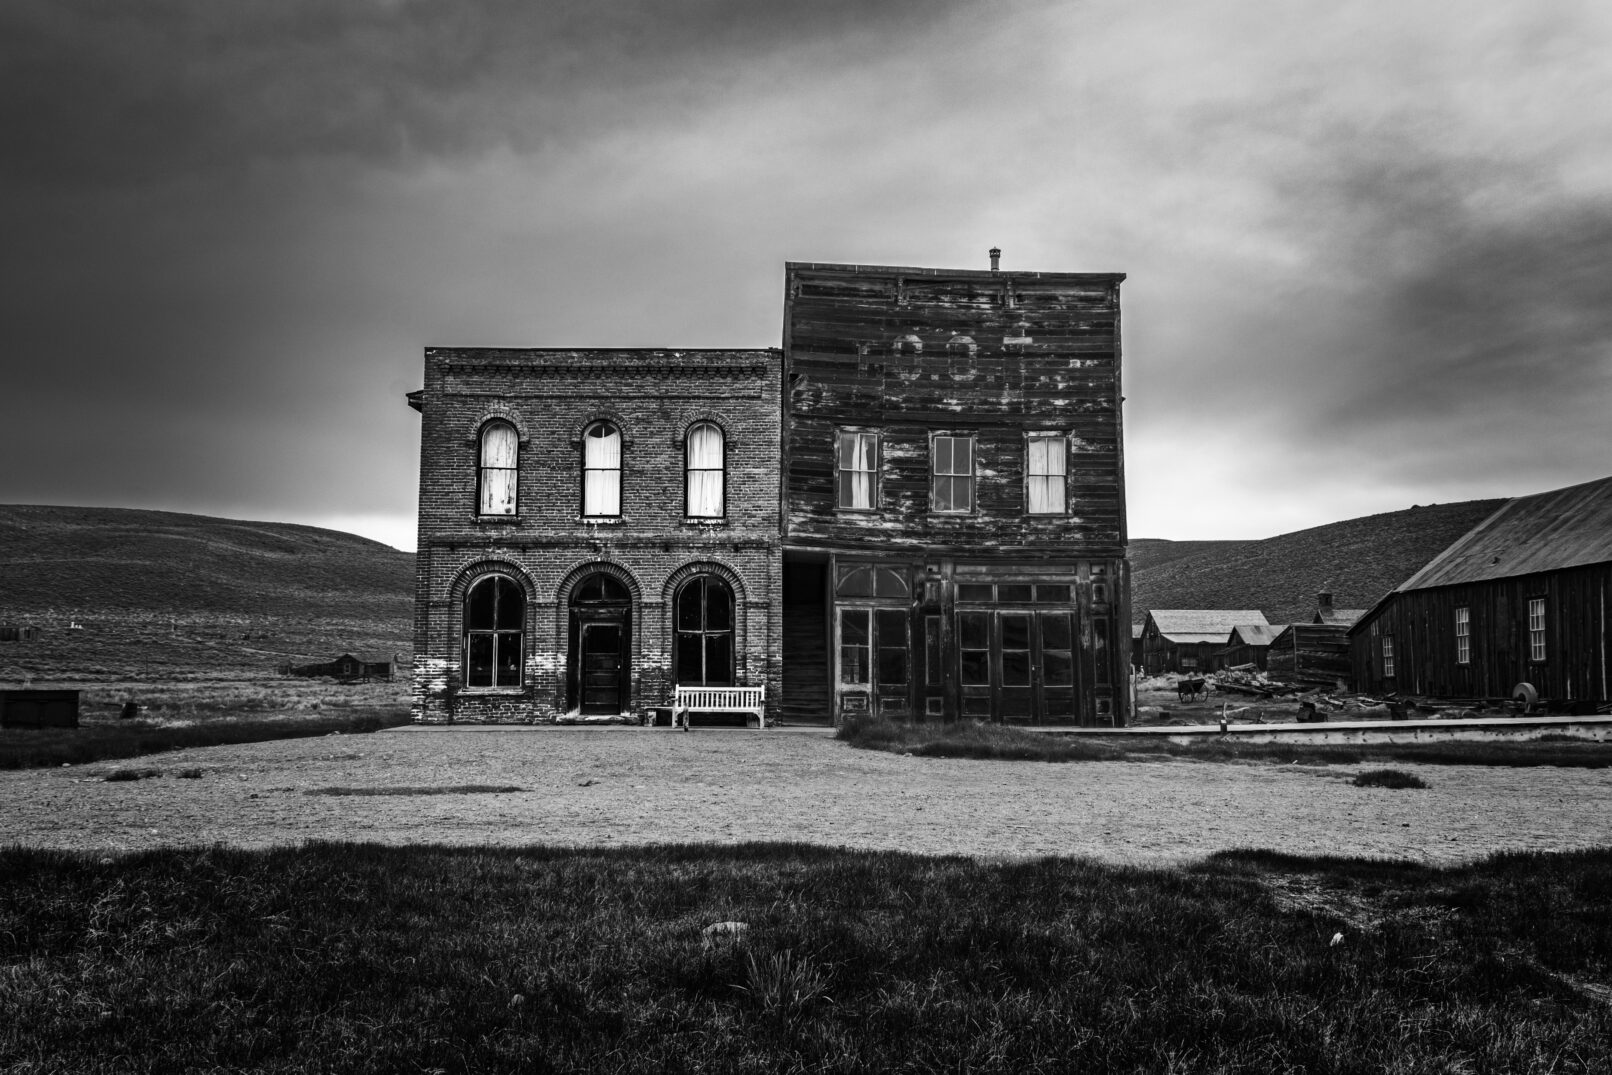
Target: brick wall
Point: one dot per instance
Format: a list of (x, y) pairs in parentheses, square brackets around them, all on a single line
[(551, 397)]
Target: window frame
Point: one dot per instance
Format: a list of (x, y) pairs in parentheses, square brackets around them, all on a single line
[(618, 470), (1387, 650), (840, 436), (721, 469), (704, 582), (493, 633), (1537, 651), (482, 469), (1463, 635), (935, 475), (1063, 486)]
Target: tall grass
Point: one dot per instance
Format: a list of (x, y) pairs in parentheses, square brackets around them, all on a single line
[(30, 748), (370, 959), (968, 739)]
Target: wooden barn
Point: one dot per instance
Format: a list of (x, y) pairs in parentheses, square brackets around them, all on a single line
[(1187, 640), (1310, 655), (1247, 644), (1517, 607), (954, 526)]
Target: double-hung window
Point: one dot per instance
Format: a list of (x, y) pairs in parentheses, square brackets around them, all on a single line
[(497, 469), (857, 470), (1463, 636), (1046, 466), (495, 613), (1536, 628), (601, 471), (1388, 656), (703, 495), (951, 471)]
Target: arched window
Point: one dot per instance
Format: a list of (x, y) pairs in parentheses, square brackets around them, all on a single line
[(705, 633), (601, 471), (495, 611), (496, 475), (704, 496)]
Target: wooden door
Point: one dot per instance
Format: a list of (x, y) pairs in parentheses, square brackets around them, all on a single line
[(602, 660)]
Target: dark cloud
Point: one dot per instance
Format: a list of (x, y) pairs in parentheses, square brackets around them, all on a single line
[(110, 93)]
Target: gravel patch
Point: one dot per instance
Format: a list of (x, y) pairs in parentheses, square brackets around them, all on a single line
[(597, 787)]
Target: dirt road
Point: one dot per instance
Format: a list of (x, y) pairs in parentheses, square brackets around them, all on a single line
[(624, 786)]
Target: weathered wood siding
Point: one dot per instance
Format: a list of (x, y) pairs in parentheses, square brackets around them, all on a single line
[(1310, 654), (847, 369), (909, 354), (1578, 646)]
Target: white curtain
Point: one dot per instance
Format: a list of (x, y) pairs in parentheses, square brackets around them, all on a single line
[(858, 453), (498, 469), (705, 471), (601, 468), (1047, 465)]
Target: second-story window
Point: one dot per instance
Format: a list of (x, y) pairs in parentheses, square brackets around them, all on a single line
[(1045, 466), (703, 498), (951, 469), (601, 471), (497, 470), (857, 469)]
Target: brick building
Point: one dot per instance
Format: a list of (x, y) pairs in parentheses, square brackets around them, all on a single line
[(915, 508), (595, 526)]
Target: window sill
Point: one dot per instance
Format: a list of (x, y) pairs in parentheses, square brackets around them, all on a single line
[(496, 520), (491, 692), (703, 523), (601, 520)]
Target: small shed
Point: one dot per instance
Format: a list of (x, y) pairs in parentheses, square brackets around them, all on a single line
[(10, 632), (1325, 613), (1310, 655), (1247, 644), (1186, 640), (346, 667)]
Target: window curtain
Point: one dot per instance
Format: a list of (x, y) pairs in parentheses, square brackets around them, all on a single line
[(705, 471), (601, 463), (498, 469), (857, 457), (1047, 465)]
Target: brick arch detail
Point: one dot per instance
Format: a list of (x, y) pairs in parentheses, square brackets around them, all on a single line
[(615, 418), (473, 572), (498, 412), (721, 570), (581, 570), (694, 418)]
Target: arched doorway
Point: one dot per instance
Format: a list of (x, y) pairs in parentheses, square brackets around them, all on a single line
[(704, 650), (600, 664)]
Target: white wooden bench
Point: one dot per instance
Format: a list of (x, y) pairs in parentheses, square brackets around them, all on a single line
[(719, 700)]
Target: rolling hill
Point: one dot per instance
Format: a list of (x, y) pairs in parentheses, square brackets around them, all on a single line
[(163, 594), (1357, 560), (160, 592)]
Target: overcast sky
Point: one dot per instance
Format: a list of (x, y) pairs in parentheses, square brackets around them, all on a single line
[(1369, 245)]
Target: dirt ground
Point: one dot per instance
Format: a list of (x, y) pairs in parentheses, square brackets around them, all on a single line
[(626, 786)]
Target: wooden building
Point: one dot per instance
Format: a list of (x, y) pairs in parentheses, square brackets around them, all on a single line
[(1248, 643), (1310, 655), (1187, 640), (1517, 606), (1325, 613), (954, 523)]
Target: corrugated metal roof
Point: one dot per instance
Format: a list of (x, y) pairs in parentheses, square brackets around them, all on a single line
[(1251, 634), (1563, 528), (1202, 624)]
